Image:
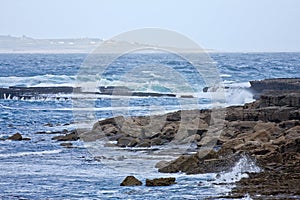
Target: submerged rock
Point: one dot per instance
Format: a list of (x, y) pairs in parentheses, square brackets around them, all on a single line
[(17, 137), (161, 181), (67, 144), (131, 181)]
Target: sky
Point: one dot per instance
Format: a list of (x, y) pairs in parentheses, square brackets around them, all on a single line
[(224, 25)]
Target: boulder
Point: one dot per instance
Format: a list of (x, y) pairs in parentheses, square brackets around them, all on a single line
[(183, 163), (73, 136), (131, 181), (206, 161), (16, 137), (161, 181), (125, 141), (161, 164)]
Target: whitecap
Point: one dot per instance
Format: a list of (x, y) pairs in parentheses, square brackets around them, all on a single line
[(20, 154)]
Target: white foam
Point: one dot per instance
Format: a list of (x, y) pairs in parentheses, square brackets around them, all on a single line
[(238, 96), (225, 75), (239, 171), (20, 154)]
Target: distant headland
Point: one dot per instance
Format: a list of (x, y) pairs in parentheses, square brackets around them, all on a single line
[(24, 44)]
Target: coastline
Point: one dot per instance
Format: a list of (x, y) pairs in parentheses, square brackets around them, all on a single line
[(267, 131), (264, 135)]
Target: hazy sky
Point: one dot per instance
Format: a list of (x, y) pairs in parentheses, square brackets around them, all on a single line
[(230, 25)]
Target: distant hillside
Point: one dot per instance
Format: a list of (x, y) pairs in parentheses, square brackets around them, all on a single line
[(24, 44), (9, 44)]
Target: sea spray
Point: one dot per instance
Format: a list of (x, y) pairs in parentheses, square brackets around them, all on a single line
[(239, 171)]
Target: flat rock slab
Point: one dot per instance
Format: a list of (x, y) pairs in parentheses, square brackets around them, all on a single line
[(161, 181)]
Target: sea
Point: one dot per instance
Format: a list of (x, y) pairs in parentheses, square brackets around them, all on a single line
[(42, 169)]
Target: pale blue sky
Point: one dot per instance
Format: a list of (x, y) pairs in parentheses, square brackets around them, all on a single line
[(230, 25)]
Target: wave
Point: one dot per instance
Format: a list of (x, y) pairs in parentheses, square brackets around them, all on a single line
[(242, 167), (225, 75), (236, 94), (20, 154), (37, 81)]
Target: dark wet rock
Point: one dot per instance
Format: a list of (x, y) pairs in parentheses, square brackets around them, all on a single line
[(49, 124), (176, 116), (289, 124), (152, 94), (186, 96), (269, 185), (29, 92), (205, 89), (73, 136), (144, 144), (125, 91), (17, 137), (131, 181), (67, 144), (202, 162), (161, 181), (116, 90), (157, 141)]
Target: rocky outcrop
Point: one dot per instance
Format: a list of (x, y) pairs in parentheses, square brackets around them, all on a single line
[(17, 137), (267, 131), (32, 91), (202, 162), (181, 126), (266, 139), (276, 84), (71, 136), (39, 92), (131, 181), (161, 181)]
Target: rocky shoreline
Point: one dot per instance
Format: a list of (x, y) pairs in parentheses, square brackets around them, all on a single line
[(267, 130)]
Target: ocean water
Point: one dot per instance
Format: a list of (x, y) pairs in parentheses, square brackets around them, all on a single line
[(42, 169)]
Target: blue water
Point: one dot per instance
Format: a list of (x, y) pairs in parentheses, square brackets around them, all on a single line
[(42, 169)]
